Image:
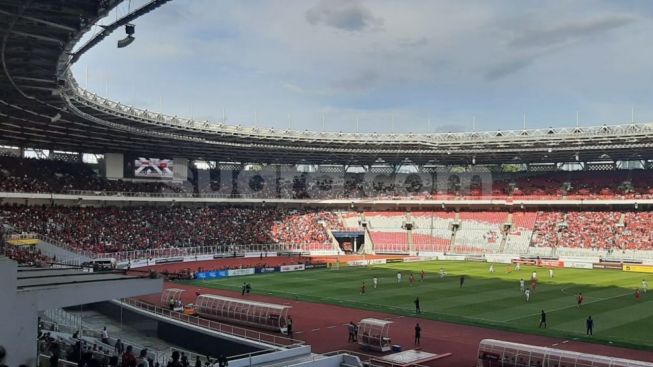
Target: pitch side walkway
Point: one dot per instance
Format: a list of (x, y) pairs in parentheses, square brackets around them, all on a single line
[(323, 327)]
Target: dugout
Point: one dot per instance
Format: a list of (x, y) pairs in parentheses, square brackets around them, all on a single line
[(374, 334), (499, 353), (173, 294), (237, 311)]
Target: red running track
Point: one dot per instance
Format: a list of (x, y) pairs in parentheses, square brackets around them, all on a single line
[(321, 326)]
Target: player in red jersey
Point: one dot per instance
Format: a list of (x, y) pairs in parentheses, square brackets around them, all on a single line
[(580, 299), (533, 285)]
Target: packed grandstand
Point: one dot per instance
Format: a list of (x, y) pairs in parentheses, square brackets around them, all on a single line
[(304, 199)]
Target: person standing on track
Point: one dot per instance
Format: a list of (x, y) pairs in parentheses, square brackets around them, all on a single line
[(350, 328), (418, 334), (289, 326), (542, 319), (589, 324)]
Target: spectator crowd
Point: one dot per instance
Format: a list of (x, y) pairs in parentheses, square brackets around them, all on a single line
[(116, 229)]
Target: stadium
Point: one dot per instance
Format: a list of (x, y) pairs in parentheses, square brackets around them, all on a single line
[(131, 237)]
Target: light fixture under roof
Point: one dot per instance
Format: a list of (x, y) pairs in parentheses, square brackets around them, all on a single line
[(130, 29)]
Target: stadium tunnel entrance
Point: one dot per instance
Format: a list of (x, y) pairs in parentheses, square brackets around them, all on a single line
[(350, 242)]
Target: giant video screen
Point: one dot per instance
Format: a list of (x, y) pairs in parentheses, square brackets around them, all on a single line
[(153, 168)]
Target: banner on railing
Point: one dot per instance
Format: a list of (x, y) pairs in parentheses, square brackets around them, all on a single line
[(366, 262), (638, 268), (211, 274), (169, 260), (607, 265), (390, 261), (578, 265), (296, 267), (237, 272), (228, 255), (266, 270), (357, 263), (23, 241), (315, 266)]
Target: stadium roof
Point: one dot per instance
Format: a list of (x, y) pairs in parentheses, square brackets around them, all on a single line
[(43, 107)]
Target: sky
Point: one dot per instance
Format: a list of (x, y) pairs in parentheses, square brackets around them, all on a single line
[(383, 65)]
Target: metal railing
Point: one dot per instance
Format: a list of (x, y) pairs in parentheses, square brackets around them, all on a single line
[(253, 335), (337, 196)]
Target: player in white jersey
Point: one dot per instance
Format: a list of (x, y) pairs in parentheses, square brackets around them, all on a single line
[(527, 293), (491, 268), (644, 285), (518, 267), (399, 277), (522, 286), (534, 275), (375, 281), (442, 273), (551, 273)]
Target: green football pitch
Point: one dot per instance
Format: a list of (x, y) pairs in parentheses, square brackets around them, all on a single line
[(486, 299)]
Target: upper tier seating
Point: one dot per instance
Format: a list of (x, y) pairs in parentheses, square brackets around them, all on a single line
[(56, 176)]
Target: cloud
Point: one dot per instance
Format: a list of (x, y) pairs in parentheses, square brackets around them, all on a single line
[(536, 43), (292, 87), (504, 69), (441, 60), (347, 15), (362, 81), (571, 31)]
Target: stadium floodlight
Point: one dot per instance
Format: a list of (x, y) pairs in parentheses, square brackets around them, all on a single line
[(130, 29)]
